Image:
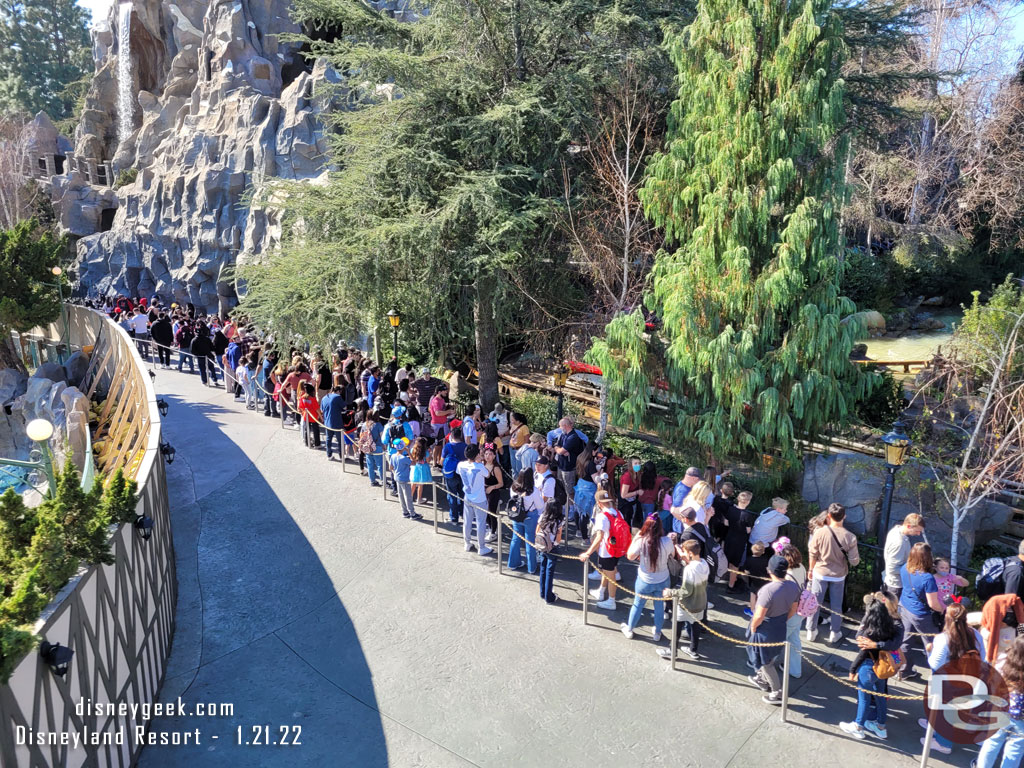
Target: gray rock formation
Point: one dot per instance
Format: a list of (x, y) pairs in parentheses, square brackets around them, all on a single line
[(857, 482), (221, 109)]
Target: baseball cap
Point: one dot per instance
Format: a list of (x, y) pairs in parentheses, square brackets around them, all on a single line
[(778, 566)]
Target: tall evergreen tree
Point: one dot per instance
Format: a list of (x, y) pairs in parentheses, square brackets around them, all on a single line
[(750, 336), (44, 48)]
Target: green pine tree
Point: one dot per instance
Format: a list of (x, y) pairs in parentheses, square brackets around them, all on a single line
[(750, 338), (44, 48)]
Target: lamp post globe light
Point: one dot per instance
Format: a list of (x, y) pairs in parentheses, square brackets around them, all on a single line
[(40, 431), (395, 319), (66, 336), (897, 446)]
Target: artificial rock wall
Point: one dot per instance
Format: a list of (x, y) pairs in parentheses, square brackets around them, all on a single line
[(220, 107)]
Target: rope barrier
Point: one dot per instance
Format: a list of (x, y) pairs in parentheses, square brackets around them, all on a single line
[(587, 564)]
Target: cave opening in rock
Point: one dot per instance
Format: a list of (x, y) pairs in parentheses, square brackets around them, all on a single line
[(107, 219), (297, 64)]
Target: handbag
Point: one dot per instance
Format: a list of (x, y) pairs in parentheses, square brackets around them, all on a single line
[(885, 667)]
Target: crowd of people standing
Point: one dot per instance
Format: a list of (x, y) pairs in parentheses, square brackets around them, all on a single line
[(683, 534)]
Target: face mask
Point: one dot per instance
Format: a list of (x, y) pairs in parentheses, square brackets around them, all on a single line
[(636, 467)]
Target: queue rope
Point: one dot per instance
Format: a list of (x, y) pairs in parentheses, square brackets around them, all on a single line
[(587, 564)]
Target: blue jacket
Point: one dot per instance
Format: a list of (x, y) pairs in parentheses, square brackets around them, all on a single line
[(333, 408)]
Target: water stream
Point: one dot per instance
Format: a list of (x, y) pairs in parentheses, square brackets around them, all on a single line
[(125, 102), (915, 345)]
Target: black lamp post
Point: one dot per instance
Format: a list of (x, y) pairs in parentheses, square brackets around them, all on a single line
[(558, 378), (395, 319), (56, 656), (897, 446)]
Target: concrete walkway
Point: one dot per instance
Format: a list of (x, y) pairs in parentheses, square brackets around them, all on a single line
[(307, 601)]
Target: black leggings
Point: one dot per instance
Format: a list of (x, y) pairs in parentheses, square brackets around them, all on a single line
[(164, 354)]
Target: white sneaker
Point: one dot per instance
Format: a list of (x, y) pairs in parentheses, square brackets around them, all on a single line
[(835, 637), (811, 634), (876, 730), (594, 576), (608, 605), (710, 605), (486, 551), (853, 729), (626, 631), (936, 747), (469, 547), (489, 537), (596, 594), (656, 637)]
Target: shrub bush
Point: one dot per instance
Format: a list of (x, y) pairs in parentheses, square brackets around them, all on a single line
[(41, 548), (126, 176), (541, 411), (884, 403)]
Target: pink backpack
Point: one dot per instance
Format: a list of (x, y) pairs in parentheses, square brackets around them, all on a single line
[(808, 605)]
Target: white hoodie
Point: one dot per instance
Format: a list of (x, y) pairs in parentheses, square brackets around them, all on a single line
[(766, 527)]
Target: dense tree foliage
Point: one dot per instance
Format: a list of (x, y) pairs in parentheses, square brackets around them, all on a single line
[(44, 48), (450, 156), (750, 337)]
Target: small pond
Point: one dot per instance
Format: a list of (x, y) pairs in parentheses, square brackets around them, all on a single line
[(915, 345)]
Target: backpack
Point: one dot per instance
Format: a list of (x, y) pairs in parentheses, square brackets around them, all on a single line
[(560, 495), (620, 535), (543, 541), (808, 606), (991, 581), (718, 566), (517, 509), (366, 443)]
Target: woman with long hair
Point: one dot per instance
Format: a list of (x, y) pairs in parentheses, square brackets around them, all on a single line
[(584, 490), (879, 632), (956, 641), (1009, 738), (651, 550), (421, 474), (648, 497), (494, 481), (700, 499), (920, 596), (523, 490), (629, 493)]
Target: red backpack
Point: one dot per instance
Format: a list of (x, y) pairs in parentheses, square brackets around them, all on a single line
[(620, 535)]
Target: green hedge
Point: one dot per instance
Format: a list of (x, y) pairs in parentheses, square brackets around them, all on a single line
[(41, 549), (541, 411)]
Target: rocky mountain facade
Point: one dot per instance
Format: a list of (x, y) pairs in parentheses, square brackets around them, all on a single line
[(219, 108)]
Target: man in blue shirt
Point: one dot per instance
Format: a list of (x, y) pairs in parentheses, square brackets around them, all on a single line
[(454, 451), (333, 408), (679, 494), (568, 447)]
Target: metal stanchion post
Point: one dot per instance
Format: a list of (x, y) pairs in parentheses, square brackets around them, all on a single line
[(926, 751), (343, 450), (433, 494), (586, 572), (384, 473), (785, 681), (501, 535), (674, 644)]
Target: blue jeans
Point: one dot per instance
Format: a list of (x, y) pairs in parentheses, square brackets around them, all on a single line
[(647, 509), (375, 467), (454, 486), (643, 591), (1010, 739), (527, 529), (334, 435), (185, 357), (547, 577), (870, 707), (793, 638)]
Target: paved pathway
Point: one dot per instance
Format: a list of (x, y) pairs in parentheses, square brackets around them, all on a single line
[(307, 600)]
